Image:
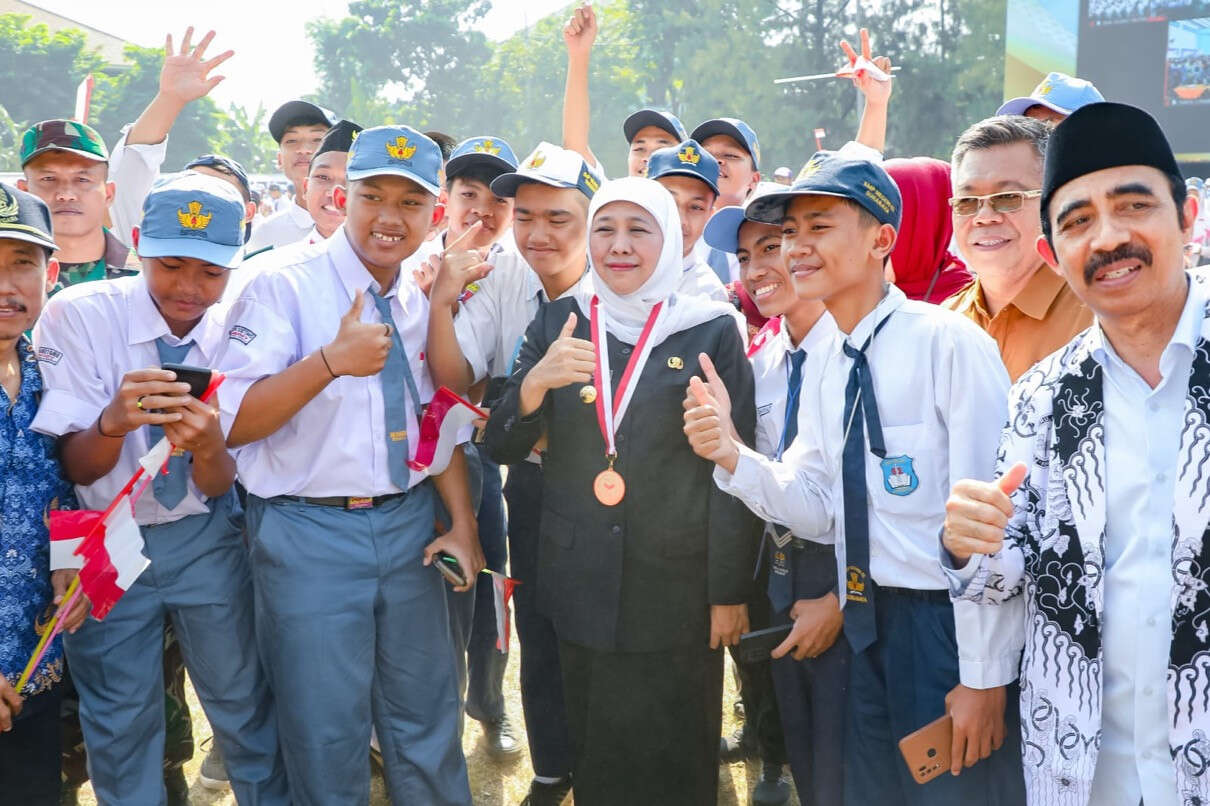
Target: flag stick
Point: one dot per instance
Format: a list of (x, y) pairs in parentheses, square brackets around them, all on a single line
[(56, 624), (817, 77)]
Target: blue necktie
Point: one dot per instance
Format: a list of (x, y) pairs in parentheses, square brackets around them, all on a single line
[(395, 373), (781, 583), (169, 490), (717, 260), (860, 409)]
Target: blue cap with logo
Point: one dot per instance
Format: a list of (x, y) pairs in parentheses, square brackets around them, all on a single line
[(829, 174), (193, 215), (734, 128), (396, 151), (684, 159), (1058, 92), (551, 165), (722, 230), (491, 152), (653, 117)]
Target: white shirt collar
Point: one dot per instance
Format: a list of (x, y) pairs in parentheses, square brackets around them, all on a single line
[(352, 272), (534, 288), (299, 215), (819, 333), (886, 306), (1186, 334)]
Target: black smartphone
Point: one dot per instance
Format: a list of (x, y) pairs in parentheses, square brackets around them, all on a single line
[(450, 568), (756, 646), (198, 378)]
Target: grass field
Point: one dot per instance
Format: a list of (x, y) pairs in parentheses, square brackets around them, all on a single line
[(493, 783)]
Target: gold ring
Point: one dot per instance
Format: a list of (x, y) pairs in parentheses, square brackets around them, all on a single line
[(388, 327), (138, 403)]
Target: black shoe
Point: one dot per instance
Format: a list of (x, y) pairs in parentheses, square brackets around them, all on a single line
[(69, 796), (541, 794), (773, 789), (502, 740), (213, 773), (177, 786), (737, 747)]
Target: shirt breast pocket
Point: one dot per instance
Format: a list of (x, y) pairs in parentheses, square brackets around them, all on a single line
[(894, 481)]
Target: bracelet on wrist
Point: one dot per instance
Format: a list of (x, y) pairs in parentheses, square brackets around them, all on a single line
[(326, 364), (101, 431)]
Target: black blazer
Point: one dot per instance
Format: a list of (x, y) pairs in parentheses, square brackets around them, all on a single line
[(639, 576)]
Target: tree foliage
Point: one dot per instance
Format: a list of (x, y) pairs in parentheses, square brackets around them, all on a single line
[(698, 58)]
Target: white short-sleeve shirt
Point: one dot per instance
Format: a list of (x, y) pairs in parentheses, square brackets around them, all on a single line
[(336, 444), (88, 337)]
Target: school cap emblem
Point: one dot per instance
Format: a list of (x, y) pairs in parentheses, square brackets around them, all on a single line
[(8, 207), (192, 217), (401, 149), (1044, 88), (811, 168), (591, 182), (688, 156), (535, 160), (486, 147), (899, 476)]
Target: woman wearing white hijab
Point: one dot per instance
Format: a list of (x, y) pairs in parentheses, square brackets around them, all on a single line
[(643, 564)]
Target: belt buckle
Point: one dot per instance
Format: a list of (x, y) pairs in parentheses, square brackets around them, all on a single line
[(353, 502)]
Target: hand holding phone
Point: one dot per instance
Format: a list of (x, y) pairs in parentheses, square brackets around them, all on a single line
[(757, 645), (450, 568), (198, 378), (927, 751)]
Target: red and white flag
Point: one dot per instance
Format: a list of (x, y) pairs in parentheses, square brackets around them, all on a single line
[(502, 594), (445, 423), (108, 550)]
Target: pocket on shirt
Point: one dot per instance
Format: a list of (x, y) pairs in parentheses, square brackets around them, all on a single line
[(557, 529), (895, 479)]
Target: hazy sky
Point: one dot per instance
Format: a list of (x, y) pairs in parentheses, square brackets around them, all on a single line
[(273, 58)]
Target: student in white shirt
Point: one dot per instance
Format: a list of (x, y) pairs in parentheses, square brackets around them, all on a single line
[(551, 191), (326, 382), (801, 574), (1091, 550), (92, 340), (904, 401), (298, 128)]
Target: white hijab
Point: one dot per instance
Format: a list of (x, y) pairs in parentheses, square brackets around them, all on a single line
[(626, 314)]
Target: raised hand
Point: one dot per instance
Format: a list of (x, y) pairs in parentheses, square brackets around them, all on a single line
[(185, 75), (977, 513), (360, 348), (875, 88), (456, 269), (580, 31)]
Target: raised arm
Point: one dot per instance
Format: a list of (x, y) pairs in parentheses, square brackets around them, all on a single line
[(578, 34)]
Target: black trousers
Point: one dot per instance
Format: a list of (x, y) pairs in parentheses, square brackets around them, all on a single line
[(485, 663), (541, 680), (762, 722), (30, 753), (645, 725)]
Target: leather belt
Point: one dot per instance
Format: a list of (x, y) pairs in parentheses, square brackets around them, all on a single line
[(340, 501)]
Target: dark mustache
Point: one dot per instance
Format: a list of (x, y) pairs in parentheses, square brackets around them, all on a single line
[(12, 302), (1126, 251)]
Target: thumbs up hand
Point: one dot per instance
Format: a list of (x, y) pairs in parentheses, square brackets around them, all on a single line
[(708, 418), (977, 513), (360, 348)]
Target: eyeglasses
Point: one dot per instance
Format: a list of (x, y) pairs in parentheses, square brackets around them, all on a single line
[(1007, 202)]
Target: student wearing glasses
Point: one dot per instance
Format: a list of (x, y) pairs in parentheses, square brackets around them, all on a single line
[(1026, 307)]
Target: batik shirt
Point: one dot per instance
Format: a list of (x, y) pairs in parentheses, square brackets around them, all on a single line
[(30, 486)]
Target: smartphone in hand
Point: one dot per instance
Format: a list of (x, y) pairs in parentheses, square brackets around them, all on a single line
[(450, 568), (198, 378)]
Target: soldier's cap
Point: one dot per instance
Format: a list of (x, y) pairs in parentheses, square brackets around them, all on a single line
[(551, 165), (299, 113), (830, 174), (684, 159), (193, 215), (722, 230), (25, 217), (493, 153), (62, 135), (396, 151), (1058, 92), (653, 117), (339, 138), (734, 128)]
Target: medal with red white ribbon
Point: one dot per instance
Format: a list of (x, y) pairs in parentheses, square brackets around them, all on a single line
[(609, 487)]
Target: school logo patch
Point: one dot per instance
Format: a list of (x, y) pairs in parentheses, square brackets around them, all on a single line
[(486, 147), (899, 476), (192, 218), (401, 149), (8, 207), (855, 585), (242, 334), (689, 156), (535, 160), (49, 355), (764, 410)]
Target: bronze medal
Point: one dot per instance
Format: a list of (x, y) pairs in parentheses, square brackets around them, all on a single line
[(609, 487)]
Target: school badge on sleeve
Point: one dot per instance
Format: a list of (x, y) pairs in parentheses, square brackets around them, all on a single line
[(899, 476)]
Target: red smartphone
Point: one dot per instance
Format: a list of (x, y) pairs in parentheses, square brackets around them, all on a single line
[(927, 751)]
